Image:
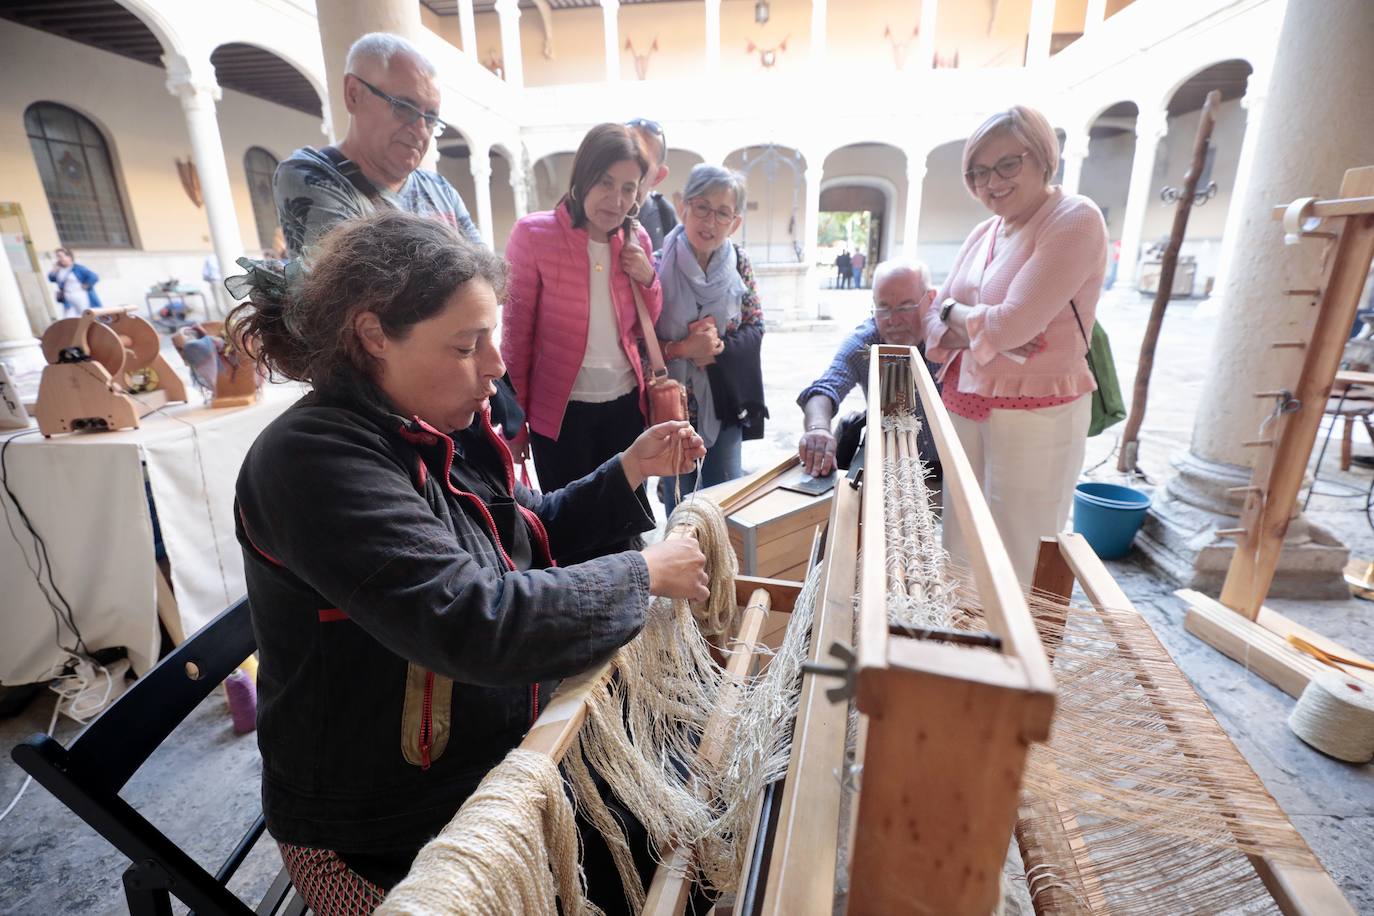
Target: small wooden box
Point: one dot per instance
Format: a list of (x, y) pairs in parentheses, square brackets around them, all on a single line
[(772, 535)]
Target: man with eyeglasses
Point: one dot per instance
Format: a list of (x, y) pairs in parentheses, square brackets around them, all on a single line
[(393, 101), (656, 214), (901, 290)]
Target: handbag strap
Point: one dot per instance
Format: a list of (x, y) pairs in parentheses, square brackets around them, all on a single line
[(646, 326), (1087, 353)]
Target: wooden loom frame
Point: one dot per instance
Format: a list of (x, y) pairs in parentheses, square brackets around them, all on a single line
[(1239, 625)]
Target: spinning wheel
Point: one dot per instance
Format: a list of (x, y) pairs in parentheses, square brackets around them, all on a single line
[(104, 369)]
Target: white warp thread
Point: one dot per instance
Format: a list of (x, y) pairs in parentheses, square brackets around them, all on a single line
[(1335, 714)]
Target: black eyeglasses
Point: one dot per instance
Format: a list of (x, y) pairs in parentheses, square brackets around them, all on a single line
[(403, 111), (1006, 167), (702, 211)]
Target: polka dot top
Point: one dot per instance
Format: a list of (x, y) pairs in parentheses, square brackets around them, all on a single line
[(978, 408)]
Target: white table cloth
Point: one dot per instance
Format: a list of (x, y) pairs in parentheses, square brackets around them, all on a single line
[(84, 493)]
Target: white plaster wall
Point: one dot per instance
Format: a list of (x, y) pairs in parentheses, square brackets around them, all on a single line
[(146, 132)]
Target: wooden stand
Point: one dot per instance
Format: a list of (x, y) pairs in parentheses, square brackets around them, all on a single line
[(104, 371), (1348, 228)]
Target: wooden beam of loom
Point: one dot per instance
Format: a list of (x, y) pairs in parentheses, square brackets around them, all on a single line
[(672, 884), (1297, 889), (1278, 474), (801, 872), (960, 717)]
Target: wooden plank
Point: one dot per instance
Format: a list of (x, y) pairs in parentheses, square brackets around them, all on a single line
[(782, 593), (1302, 890), (1241, 639), (999, 592), (976, 665), (1282, 626), (557, 726), (1269, 509), (671, 886), (1054, 580), (802, 869), (942, 775), (870, 631), (784, 552)]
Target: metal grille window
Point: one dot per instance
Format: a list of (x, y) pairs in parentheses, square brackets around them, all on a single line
[(78, 178), (260, 165)]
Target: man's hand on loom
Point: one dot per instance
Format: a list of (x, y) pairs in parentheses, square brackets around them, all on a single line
[(677, 569), (817, 451), (653, 453)]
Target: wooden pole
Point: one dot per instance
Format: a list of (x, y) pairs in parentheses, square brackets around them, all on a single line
[(1126, 459)]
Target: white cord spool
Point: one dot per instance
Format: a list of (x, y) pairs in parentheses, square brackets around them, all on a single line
[(1335, 714)]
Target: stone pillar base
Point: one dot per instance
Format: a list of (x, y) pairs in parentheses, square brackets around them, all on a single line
[(1179, 536)]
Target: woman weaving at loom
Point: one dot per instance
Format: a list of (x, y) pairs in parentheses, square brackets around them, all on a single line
[(409, 618)]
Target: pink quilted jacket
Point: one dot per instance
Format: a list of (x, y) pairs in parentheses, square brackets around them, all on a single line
[(544, 321)]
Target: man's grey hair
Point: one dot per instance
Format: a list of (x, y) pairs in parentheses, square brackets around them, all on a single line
[(708, 179), (380, 48), (896, 266)]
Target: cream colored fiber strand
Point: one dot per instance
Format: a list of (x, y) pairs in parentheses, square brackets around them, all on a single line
[(642, 732), (511, 848), (919, 593), (718, 614)]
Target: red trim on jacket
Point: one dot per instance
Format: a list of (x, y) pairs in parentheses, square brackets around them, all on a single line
[(541, 534), (332, 615), (249, 538)]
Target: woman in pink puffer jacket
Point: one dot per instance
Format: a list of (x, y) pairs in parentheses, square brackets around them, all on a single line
[(570, 334)]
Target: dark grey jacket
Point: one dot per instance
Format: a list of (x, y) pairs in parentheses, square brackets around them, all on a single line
[(408, 623)]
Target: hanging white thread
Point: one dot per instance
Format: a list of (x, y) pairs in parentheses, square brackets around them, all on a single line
[(1335, 714)]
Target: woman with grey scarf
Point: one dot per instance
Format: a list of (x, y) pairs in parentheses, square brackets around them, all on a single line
[(711, 326)]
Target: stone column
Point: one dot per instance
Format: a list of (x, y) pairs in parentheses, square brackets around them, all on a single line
[(1256, 88), (925, 45), (1075, 154), (1303, 145), (818, 31), (198, 92), (479, 162), (343, 22), (19, 349), (1096, 15), (610, 22), (467, 29), (1150, 128), (508, 11), (713, 36), (915, 184), (519, 189), (1041, 31), (811, 225)]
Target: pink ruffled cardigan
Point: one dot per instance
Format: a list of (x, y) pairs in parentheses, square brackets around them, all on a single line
[(1057, 255)]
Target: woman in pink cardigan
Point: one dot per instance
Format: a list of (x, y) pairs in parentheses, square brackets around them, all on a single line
[(570, 333), (1011, 326)]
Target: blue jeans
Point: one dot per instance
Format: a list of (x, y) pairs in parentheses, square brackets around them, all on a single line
[(722, 463)]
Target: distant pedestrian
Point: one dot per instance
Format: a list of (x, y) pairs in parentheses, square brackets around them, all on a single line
[(843, 267), (856, 263), (75, 284)]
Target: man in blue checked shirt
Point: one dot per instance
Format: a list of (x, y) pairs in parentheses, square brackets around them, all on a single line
[(900, 290)]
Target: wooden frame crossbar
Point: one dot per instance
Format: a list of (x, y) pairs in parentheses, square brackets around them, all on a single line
[(947, 727)]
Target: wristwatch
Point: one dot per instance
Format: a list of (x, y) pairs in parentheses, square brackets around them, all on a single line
[(946, 307)]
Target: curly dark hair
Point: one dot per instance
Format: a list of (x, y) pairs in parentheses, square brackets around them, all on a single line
[(401, 267)]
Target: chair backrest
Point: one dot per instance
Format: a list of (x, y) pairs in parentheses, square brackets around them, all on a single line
[(88, 776)]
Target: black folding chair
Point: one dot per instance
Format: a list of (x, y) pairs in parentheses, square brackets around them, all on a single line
[(88, 776)]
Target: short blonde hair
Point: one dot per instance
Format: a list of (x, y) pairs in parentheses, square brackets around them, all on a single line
[(1025, 124)]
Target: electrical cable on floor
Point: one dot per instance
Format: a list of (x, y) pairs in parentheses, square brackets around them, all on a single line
[(28, 779)]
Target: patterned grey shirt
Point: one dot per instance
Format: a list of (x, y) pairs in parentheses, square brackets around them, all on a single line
[(313, 196)]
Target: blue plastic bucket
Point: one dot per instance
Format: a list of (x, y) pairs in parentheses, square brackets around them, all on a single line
[(1108, 515)]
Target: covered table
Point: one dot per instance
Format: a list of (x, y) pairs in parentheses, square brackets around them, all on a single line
[(85, 495)]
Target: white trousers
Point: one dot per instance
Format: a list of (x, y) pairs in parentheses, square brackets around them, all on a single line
[(1026, 462)]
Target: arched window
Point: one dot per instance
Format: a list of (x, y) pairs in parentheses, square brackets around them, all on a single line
[(261, 166), (78, 177)]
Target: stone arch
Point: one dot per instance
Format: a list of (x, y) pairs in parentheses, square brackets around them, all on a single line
[(772, 230), (948, 211), (876, 166), (263, 72)]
